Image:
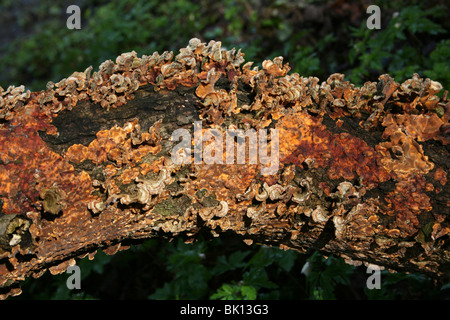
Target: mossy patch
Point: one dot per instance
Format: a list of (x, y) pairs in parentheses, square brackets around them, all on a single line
[(173, 206), (207, 201)]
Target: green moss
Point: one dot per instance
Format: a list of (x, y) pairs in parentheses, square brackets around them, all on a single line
[(173, 206), (207, 201)]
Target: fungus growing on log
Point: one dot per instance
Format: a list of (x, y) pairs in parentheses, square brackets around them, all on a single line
[(87, 163)]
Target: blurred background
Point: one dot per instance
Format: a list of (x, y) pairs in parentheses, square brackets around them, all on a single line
[(316, 37)]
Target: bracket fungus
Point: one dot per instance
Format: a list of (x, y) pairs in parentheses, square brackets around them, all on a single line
[(52, 199), (94, 151)]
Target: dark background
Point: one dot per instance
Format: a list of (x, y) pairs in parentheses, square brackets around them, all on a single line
[(316, 38)]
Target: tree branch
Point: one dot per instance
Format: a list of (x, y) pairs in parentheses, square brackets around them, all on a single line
[(359, 172)]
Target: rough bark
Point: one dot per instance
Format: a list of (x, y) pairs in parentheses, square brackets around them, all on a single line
[(86, 164)]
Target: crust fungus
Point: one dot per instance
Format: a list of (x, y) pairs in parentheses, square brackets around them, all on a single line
[(403, 156), (346, 190), (206, 213), (441, 176), (11, 98), (275, 68), (262, 196), (304, 191), (53, 200), (358, 223), (117, 145), (275, 191), (319, 215), (420, 127), (255, 212), (222, 209), (96, 206)]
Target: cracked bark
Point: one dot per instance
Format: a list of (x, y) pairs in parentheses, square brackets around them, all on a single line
[(362, 171)]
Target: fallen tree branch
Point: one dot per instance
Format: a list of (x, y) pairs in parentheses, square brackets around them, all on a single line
[(93, 162)]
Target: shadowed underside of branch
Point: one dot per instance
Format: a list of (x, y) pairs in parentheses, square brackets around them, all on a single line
[(88, 163)]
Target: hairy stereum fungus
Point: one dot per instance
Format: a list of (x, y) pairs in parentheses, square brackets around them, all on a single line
[(403, 156), (53, 200), (340, 186)]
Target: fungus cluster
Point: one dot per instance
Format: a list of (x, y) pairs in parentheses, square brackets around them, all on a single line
[(123, 182), (11, 98), (121, 145)]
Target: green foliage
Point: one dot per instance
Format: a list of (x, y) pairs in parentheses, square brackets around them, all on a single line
[(113, 28), (226, 270), (187, 263), (398, 48), (235, 292), (437, 66), (191, 276), (404, 286), (325, 275), (308, 62)]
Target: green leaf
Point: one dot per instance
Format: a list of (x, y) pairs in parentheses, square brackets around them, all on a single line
[(258, 277), (236, 259), (227, 292), (287, 259), (248, 292)]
